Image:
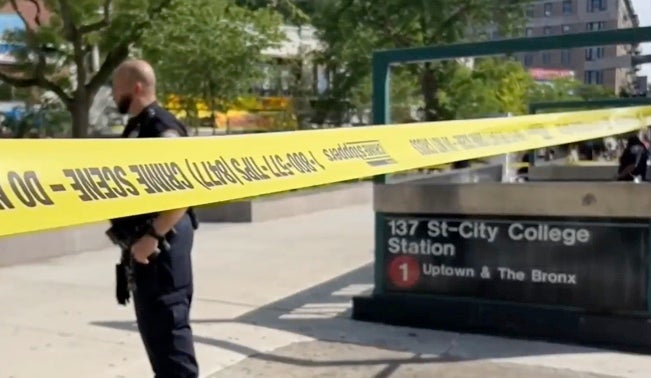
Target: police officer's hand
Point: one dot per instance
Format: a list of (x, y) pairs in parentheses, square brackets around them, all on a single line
[(143, 248)]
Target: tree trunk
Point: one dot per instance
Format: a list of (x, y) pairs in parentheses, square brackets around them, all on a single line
[(79, 110), (429, 89)]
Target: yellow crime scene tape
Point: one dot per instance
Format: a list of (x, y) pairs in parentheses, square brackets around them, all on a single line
[(53, 183)]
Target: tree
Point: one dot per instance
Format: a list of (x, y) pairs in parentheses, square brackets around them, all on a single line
[(491, 86), (594, 92), (560, 89), (568, 89), (353, 29), (220, 44), (293, 11), (403, 92), (56, 53)]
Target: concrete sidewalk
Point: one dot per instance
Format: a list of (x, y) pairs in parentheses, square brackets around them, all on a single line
[(272, 300)]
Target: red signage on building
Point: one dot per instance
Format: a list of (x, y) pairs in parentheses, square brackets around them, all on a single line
[(545, 74)]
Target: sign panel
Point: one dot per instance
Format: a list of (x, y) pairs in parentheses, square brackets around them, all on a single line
[(592, 265)]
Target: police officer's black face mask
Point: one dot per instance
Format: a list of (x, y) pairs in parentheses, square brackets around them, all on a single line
[(124, 104)]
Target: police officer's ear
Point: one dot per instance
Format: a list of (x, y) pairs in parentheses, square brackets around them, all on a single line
[(138, 88)]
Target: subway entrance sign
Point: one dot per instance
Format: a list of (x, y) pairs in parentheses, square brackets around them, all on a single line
[(567, 261), (562, 261), (575, 263)]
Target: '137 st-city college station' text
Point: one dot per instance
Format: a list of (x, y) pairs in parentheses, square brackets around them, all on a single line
[(432, 241)]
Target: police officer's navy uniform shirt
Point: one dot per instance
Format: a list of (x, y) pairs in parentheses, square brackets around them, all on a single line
[(172, 271), (153, 122)]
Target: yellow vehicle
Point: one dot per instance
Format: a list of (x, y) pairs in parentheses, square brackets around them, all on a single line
[(245, 115)]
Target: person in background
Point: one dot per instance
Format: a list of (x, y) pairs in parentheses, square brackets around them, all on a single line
[(644, 136), (633, 160)]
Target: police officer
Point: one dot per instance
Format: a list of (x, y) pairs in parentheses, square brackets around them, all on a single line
[(163, 282)]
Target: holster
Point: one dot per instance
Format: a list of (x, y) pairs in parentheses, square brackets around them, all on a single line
[(125, 236), (122, 293), (193, 218)]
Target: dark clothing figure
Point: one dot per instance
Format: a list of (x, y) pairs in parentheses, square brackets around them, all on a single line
[(522, 172), (633, 161), (163, 288), (162, 301), (461, 164)]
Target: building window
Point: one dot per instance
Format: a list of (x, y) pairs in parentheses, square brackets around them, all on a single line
[(566, 56), (594, 53), (529, 11), (528, 60), (567, 7), (547, 58), (594, 26), (528, 32), (566, 28), (594, 77), (547, 30), (597, 5), (547, 9)]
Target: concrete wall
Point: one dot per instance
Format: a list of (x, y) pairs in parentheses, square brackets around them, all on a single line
[(487, 173), (56, 243), (601, 172), (544, 199), (288, 204), (43, 245)]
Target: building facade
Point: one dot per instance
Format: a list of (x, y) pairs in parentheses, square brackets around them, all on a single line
[(610, 66)]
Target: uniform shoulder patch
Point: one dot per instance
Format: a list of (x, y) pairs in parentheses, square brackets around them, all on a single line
[(151, 112)]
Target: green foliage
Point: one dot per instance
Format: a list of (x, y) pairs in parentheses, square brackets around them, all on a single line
[(293, 11), (493, 85), (352, 29), (501, 85), (566, 89), (216, 54), (48, 120), (404, 92), (56, 54)]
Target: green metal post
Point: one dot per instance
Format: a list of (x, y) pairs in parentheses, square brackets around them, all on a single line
[(380, 86), (515, 45), (590, 104), (381, 110), (533, 109)]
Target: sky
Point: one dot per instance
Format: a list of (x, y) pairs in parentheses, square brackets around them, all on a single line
[(643, 10)]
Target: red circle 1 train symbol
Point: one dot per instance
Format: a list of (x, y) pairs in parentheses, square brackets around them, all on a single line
[(404, 272)]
